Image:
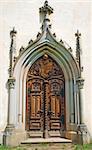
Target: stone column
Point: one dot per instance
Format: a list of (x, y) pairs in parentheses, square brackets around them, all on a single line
[(9, 130), (11, 104), (75, 103), (82, 128), (12, 135), (80, 83)]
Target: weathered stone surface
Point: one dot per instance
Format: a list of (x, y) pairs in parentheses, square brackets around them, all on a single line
[(51, 146)]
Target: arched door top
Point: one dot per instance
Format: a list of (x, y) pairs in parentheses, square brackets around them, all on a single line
[(69, 68), (59, 54)]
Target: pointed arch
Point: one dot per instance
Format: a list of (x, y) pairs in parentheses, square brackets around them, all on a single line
[(70, 69)]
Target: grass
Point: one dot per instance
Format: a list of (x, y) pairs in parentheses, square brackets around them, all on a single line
[(83, 147), (10, 148), (75, 147)]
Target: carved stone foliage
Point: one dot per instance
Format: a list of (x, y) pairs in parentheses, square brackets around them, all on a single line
[(11, 83), (80, 83)]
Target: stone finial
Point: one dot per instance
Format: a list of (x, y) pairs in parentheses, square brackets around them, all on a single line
[(46, 3), (78, 49), (12, 52), (13, 33), (77, 35), (45, 11)]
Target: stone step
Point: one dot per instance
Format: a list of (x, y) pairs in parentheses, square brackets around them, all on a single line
[(44, 140), (50, 146), (47, 144)]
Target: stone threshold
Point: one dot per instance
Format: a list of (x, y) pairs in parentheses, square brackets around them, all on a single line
[(48, 140)]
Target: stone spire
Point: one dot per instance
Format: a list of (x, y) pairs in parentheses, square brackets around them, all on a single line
[(45, 11), (12, 51), (78, 49), (11, 85), (80, 83)]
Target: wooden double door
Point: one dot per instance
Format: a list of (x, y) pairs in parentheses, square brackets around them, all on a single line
[(45, 98)]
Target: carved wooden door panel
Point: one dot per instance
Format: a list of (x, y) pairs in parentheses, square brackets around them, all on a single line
[(56, 106), (34, 104), (45, 102)]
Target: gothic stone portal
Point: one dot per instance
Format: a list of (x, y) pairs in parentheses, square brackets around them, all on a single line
[(45, 98)]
